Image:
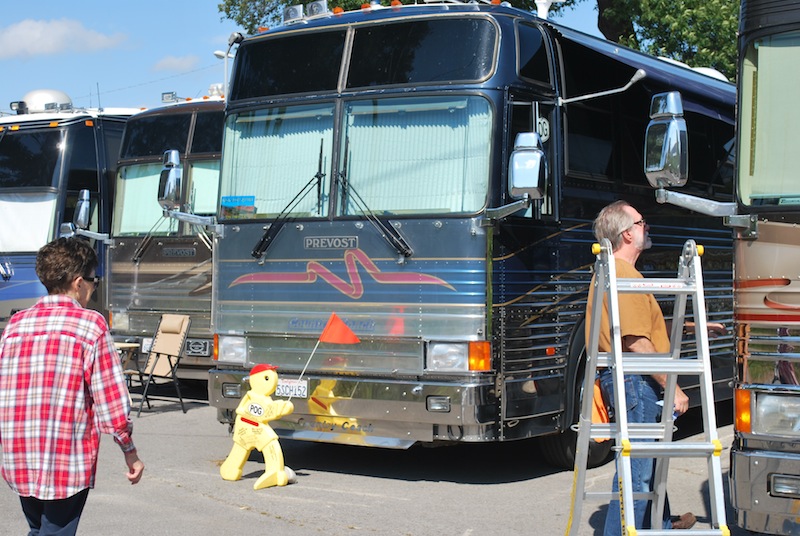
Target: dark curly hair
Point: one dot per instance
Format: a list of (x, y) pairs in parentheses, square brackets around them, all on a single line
[(59, 262)]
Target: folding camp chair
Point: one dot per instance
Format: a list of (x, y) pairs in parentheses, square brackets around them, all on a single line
[(164, 356)]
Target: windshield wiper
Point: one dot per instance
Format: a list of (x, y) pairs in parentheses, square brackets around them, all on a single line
[(272, 231), (388, 232), (146, 241)]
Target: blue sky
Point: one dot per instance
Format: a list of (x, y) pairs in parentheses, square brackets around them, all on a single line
[(131, 52)]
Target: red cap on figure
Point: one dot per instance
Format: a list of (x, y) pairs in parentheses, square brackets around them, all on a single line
[(261, 367)]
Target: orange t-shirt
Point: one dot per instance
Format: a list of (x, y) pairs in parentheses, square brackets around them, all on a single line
[(639, 315)]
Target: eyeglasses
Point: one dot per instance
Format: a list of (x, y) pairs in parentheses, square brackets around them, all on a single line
[(640, 222), (95, 280)]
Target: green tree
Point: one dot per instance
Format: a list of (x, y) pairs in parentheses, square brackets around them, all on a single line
[(700, 33)]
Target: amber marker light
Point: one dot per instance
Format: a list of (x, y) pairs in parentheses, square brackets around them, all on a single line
[(741, 398), (89, 123), (215, 352), (480, 356)]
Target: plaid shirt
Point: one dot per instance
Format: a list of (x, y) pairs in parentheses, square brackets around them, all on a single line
[(61, 386)]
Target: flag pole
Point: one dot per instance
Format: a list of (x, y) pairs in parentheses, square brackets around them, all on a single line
[(306, 366), (308, 361), (335, 332)]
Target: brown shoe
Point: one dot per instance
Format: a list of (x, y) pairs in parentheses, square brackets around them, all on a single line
[(686, 521)]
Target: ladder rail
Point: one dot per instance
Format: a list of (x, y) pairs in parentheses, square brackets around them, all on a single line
[(584, 423)]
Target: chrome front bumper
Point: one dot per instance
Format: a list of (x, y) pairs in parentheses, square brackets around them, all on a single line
[(391, 414), (757, 507)]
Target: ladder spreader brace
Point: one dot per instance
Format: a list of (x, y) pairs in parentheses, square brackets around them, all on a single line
[(689, 283)]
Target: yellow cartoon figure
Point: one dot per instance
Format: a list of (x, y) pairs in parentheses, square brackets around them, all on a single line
[(252, 431)]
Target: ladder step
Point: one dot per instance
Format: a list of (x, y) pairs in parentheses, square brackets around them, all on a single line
[(694, 532), (654, 285), (652, 364), (635, 430), (639, 449), (614, 496)]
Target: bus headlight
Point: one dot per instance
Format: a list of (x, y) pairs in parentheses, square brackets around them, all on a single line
[(777, 414), (232, 349), (447, 357), (475, 356)]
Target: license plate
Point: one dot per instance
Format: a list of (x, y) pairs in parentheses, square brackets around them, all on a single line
[(292, 388)]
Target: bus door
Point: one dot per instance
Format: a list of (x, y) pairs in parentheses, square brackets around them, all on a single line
[(516, 271)]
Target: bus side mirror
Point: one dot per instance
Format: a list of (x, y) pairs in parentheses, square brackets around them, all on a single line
[(666, 145), (81, 218), (83, 211), (527, 167), (169, 185)]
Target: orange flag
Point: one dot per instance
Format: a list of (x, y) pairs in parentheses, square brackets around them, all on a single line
[(337, 332)]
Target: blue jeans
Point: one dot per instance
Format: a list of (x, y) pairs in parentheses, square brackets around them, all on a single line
[(641, 393), (54, 518)]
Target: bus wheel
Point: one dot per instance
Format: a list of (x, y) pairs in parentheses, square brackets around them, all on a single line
[(558, 450)]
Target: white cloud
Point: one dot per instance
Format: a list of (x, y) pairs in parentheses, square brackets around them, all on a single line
[(176, 64), (30, 38)]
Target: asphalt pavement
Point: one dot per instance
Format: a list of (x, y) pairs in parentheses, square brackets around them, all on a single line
[(344, 490)]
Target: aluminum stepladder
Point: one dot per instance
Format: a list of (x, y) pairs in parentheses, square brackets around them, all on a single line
[(689, 283)]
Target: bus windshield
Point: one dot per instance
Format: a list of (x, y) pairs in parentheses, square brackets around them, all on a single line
[(418, 155), (29, 163), (769, 122), (432, 157), (136, 208)]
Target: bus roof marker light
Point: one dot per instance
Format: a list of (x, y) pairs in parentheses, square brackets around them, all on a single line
[(293, 14), (19, 106), (317, 8)]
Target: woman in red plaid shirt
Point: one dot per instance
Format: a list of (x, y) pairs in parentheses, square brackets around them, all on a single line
[(61, 386)]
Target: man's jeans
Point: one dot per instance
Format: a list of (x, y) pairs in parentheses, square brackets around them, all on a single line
[(641, 394)]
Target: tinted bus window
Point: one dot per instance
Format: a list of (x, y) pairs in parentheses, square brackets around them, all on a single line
[(295, 64), (532, 54), (82, 173), (151, 136), (418, 52), (208, 132)]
